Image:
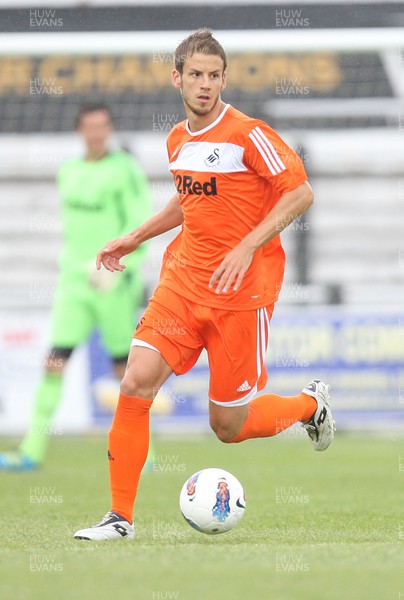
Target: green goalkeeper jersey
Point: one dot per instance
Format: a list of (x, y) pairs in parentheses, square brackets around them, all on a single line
[(102, 200)]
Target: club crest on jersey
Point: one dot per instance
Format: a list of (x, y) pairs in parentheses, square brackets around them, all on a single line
[(213, 159), (185, 184)]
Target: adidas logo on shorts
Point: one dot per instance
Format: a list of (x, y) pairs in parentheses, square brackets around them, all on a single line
[(244, 387)]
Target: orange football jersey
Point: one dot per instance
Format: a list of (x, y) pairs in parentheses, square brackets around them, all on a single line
[(229, 175)]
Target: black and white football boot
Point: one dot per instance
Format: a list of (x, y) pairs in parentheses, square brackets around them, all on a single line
[(321, 426), (111, 527)]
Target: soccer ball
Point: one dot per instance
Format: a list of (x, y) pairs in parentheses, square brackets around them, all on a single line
[(212, 501)]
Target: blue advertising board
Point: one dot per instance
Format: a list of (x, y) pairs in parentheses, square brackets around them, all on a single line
[(359, 352)]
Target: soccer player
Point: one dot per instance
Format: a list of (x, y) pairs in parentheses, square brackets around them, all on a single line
[(102, 192), (238, 185)]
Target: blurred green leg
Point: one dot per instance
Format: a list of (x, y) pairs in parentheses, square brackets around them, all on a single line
[(35, 442)]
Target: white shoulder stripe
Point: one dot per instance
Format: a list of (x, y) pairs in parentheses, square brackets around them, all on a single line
[(267, 151), (273, 167), (269, 144), (264, 153)]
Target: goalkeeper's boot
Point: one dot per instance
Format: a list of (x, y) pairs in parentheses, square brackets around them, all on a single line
[(14, 460), (111, 527), (321, 426)]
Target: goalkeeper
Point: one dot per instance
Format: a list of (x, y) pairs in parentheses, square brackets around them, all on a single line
[(102, 193)]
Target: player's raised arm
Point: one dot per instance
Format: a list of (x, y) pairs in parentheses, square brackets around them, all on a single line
[(166, 219)]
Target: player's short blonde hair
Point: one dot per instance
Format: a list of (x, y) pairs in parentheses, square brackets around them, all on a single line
[(200, 41)]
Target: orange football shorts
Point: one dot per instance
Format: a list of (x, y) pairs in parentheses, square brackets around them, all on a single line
[(236, 343)]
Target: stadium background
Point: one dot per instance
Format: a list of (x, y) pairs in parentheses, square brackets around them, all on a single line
[(337, 96)]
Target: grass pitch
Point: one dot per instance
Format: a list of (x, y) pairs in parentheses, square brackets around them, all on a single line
[(318, 525)]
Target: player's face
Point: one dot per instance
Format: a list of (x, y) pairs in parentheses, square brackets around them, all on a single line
[(201, 82), (95, 128)]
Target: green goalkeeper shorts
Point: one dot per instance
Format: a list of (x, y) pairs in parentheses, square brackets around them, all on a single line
[(79, 308)]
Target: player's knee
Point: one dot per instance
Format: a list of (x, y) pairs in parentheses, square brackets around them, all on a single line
[(51, 367), (136, 383), (224, 432), (56, 360)]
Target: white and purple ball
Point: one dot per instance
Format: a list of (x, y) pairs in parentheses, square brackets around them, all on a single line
[(212, 501)]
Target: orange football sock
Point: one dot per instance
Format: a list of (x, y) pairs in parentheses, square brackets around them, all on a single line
[(270, 414), (128, 444)]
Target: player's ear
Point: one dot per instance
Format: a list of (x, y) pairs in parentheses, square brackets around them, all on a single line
[(224, 81), (176, 79)]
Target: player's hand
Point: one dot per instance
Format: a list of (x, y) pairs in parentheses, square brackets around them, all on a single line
[(231, 271), (111, 254), (101, 279)]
